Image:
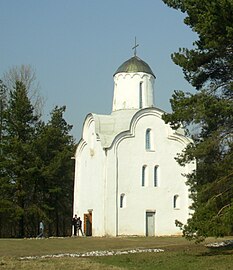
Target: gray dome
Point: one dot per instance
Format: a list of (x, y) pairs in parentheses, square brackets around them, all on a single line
[(134, 64)]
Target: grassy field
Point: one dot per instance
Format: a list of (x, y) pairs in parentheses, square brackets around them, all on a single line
[(178, 254)]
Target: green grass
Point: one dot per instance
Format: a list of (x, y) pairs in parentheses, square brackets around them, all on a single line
[(178, 254)]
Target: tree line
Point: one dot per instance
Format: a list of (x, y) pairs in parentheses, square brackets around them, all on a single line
[(36, 170), (207, 115), (36, 180)]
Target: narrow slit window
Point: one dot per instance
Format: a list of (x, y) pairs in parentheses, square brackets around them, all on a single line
[(144, 176), (155, 176), (148, 139), (122, 201), (176, 202), (140, 95)]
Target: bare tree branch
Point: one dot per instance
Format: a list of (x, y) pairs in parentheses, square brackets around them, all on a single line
[(27, 75)]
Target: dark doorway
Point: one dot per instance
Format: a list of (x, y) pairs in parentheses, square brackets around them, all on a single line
[(88, 224)]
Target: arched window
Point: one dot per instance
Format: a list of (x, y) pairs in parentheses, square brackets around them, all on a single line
[(176, 202), (156, 176), (149, 140), (144, 176), (122, 201)]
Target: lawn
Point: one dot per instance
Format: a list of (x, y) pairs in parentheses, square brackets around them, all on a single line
[(178, 254)]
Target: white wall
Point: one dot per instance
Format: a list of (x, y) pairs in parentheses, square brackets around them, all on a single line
[(89, 175), (127, 91), (103, 175), (132, 156)]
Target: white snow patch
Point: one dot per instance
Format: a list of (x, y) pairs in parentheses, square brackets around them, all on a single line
[(220, 244), (94, 253)]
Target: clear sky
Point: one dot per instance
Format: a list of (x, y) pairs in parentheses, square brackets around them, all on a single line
[(75, 46)]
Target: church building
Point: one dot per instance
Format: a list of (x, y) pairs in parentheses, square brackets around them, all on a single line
[(127, 181)]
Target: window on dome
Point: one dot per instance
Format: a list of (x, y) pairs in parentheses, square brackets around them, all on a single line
[(140, 95)]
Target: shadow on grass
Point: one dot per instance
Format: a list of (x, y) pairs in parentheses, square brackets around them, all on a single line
[(216, 251)]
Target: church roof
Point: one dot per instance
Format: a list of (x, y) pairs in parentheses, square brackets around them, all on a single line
[(134, 64), (109, 126)]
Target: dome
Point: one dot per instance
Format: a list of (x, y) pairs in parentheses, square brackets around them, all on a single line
[(134, 64)]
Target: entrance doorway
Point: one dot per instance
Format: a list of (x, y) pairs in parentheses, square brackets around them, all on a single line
[(150, 223), (88, 224)]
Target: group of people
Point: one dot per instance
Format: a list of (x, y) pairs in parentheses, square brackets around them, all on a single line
[(77, 226), (76, 223)]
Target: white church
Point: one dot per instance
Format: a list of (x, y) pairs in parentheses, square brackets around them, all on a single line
[(127, 181)]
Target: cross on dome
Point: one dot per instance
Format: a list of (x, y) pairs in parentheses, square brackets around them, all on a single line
[(135, 47)]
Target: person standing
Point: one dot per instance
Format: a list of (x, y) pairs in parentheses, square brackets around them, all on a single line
[(74, 224), (79, 226), (41, 227)]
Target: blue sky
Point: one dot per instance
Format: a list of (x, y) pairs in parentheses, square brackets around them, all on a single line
[(75, 46)]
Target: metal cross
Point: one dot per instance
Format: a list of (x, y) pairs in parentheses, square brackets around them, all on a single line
[(135, 47)]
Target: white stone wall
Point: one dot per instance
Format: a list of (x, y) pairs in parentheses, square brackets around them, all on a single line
[(102, 175), (89, 175), (127, 91), (131, 153)]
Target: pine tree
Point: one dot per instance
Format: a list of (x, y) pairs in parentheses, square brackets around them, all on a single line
[(207, 115), (36, 170), (4, 204), (18, 159), (3, 102), (55, 147)]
